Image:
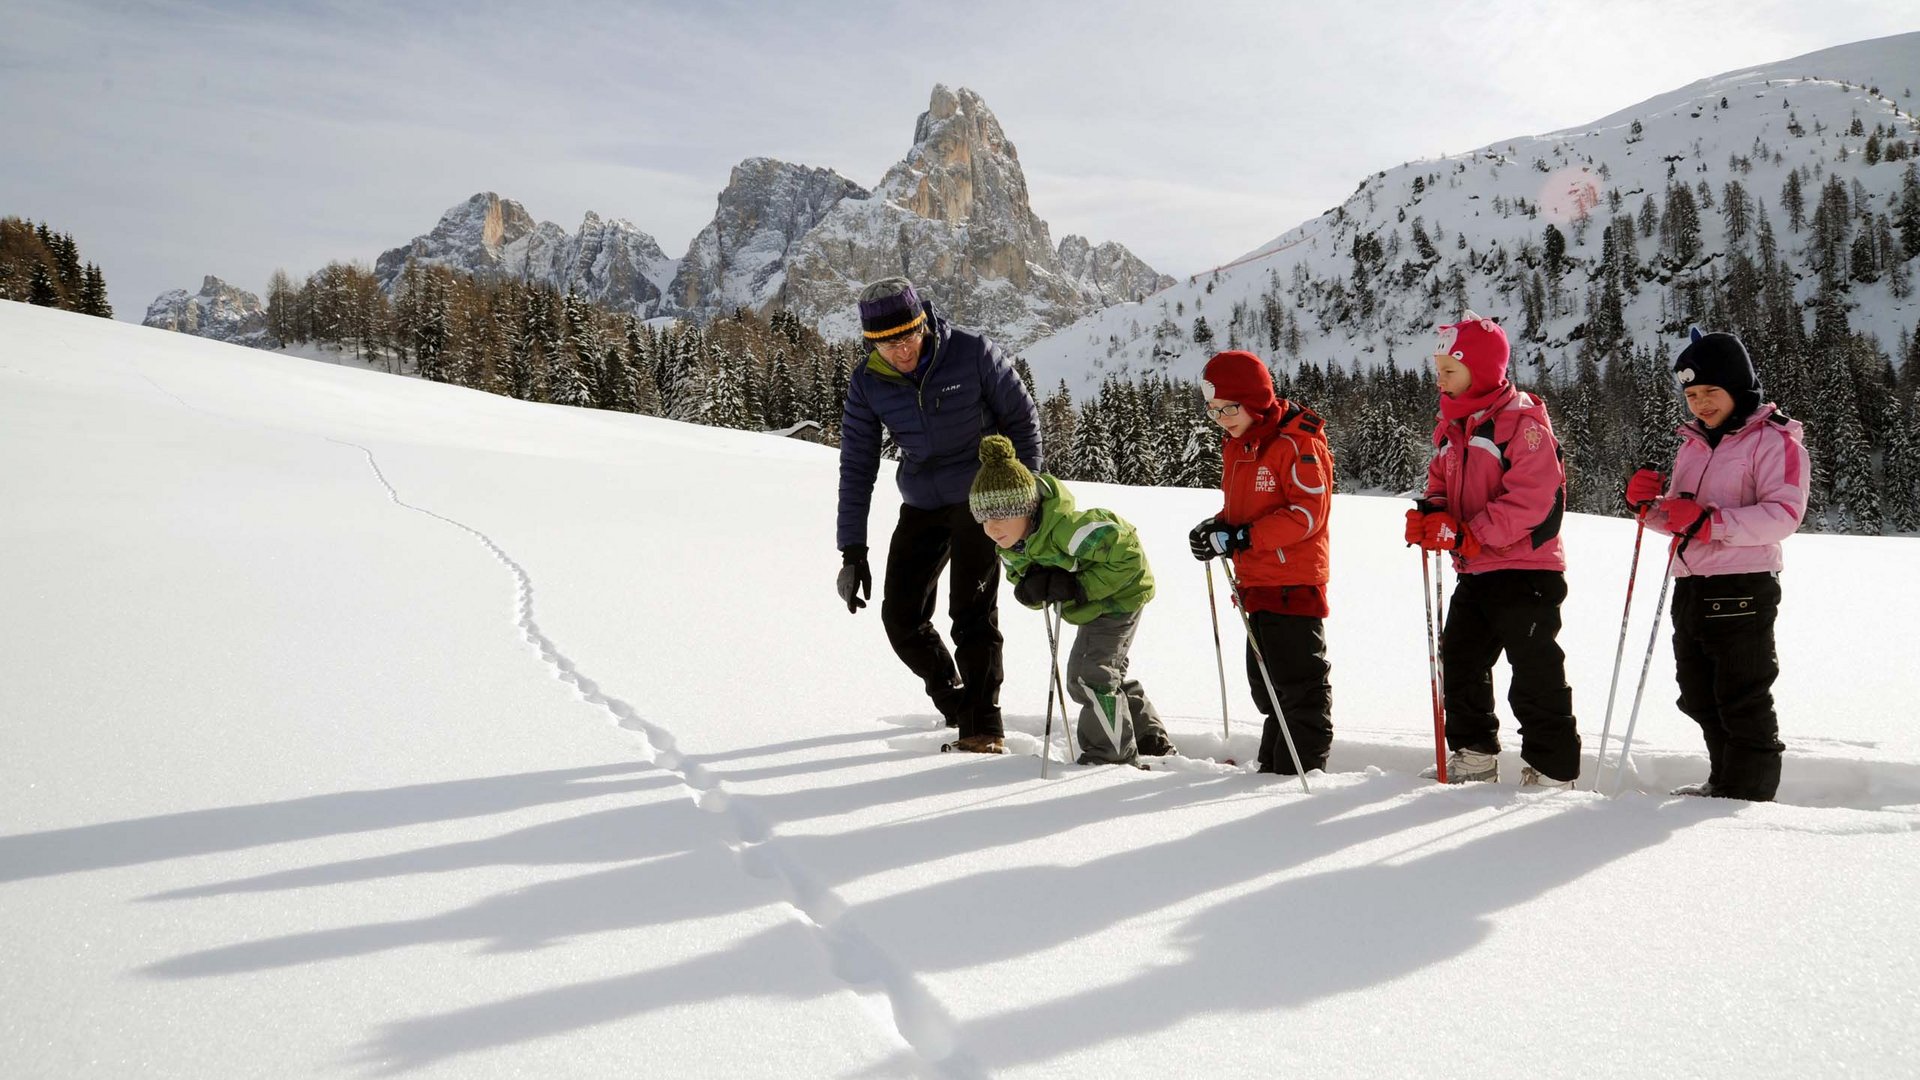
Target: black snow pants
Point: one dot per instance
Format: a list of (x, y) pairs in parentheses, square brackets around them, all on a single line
[(1295, 647), (1516, 612), (1724, 658), (924, 542)]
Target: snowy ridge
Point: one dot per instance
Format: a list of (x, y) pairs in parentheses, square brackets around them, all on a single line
[(1296, 299)]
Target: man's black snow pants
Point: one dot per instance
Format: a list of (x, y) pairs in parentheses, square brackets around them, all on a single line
[(1516, 612), (1724, 658), (924, 542)]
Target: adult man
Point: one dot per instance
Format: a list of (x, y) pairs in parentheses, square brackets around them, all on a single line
[(938, 390)]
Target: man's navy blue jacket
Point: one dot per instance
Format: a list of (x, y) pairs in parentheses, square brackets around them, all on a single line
[(962, 390)]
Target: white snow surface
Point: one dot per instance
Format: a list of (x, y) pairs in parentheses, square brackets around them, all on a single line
[(362, 726)]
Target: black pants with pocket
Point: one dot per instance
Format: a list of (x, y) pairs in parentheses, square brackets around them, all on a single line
[(1295, 647), (1516, 612), (925, 542), (1724, 658)]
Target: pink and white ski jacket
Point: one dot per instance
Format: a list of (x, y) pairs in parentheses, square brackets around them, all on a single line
[(1754, 486), (1499, 472)]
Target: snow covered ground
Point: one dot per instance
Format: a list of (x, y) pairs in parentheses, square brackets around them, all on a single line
[(361, 726)]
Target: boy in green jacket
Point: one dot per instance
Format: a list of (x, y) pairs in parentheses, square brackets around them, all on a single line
[(1090, 563)]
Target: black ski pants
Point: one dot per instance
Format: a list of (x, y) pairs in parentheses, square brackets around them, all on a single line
[(1516, 612), (1295, 647), (1724, 658), (925, 542)]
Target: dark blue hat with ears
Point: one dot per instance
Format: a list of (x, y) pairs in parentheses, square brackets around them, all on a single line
[(1719, 359)]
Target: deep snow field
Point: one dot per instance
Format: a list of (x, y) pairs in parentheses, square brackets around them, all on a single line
[(360, 726)]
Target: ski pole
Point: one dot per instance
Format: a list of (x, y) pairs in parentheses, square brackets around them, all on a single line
[(1433, 666), (1659, 609), (1620, 650), (1273, 696), (1053, 645), (1219, 654), (1053, 634)]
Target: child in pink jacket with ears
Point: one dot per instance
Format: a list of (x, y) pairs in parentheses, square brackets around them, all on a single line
[(1496, 491), (1738, 488)]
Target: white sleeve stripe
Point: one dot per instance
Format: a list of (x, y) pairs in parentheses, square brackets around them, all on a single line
[(1303, 486), (1306, 513), (1481, 442), (1084, 534)]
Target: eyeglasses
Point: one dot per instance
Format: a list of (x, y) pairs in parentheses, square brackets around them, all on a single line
[(1229, 409), (896, 346)]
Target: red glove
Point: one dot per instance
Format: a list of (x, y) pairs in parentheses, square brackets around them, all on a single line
[(1645, 486), (1445, 533), (1416, 526), (1688, 519)]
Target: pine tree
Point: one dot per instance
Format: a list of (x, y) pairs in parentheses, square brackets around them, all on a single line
[(1680, 226), (1794, 200), (1853, 492), (1091, 458), (93, 294), (1057, 426), (1736, 211), (40, 289), (1907, 218), (1902, 466)]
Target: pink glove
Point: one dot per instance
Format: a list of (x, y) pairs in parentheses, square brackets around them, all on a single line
[(1686, 518), (1645, 486)]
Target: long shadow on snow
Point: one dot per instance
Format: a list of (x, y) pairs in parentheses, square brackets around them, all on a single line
[(1309, 937), (757, 967), (650, 891), (236, 828)]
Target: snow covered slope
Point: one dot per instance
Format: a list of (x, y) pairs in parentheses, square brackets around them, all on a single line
[(1298, 298), (361, 726)]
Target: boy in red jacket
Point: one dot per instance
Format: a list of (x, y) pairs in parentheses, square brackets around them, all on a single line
[(1496, 491), (1277, 473)]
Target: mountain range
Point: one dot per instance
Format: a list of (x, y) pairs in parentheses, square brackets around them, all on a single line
[(953, 214)]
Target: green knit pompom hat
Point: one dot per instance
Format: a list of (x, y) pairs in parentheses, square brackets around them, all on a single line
[(1003, 488)]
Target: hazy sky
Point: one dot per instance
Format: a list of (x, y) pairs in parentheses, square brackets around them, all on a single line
[(175, 140)]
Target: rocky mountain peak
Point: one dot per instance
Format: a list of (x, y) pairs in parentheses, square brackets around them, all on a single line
[(219, 311), (740, 258), (954, 216), (608, 261)]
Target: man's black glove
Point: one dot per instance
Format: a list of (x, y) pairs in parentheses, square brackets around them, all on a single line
[(855, 578), (1049, 585), (1211, 539)]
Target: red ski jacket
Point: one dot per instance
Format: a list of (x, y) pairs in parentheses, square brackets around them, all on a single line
[(1278, 478)]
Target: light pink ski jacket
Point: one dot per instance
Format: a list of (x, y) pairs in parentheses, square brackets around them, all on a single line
[(1754, 484), (1499, 472)]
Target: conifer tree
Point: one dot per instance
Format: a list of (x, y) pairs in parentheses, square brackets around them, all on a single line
[(1902, 466)]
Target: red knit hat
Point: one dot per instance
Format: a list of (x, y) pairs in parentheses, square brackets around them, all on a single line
[(1481, 346), (1240, 377)]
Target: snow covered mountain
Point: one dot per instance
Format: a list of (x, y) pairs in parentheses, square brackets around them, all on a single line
[(607, 261), (955, 217), (1416, 243), (219, 311)]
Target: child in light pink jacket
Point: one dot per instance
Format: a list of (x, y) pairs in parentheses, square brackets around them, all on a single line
[(1738, 487)]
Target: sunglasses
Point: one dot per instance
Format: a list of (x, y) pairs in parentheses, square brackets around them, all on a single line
[(898, 345)]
